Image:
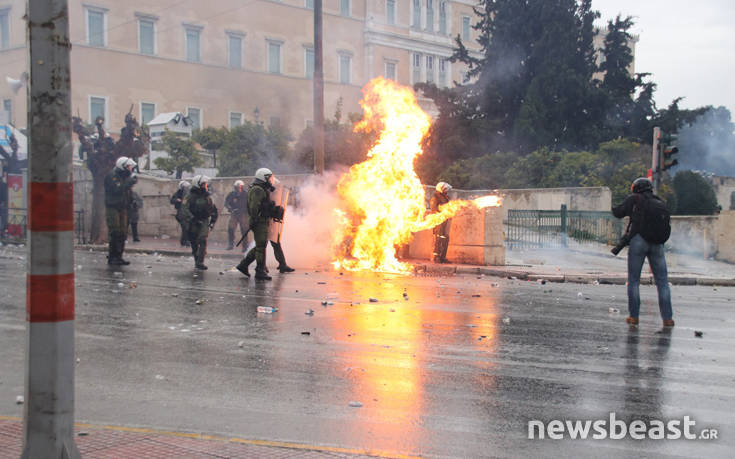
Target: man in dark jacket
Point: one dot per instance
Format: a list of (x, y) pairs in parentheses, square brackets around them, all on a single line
[(441, 231), (261, 210), (177, 200), (200, 215), (639, 250), (236, 203), (118, 196), (136, 203)]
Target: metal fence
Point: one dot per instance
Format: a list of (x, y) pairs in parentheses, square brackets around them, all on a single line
[(554, 228), (17, 226)]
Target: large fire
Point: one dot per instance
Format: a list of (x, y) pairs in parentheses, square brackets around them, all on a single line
[(384, 201)]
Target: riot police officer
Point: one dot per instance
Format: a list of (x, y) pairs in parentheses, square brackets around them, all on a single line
[(236, 203), (199, 214), (118, 196)]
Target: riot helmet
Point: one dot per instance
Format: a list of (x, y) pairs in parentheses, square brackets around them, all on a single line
[(641, 185), (123, 163), (263, 174)]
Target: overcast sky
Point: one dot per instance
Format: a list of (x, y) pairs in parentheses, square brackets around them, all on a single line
[(688, 46)]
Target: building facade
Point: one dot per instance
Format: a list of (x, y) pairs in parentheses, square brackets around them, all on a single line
[(226, 61)]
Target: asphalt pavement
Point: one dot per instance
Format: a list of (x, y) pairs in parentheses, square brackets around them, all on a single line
[(442, 363)]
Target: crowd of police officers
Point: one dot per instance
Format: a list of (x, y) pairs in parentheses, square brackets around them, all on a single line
[(251, 210)]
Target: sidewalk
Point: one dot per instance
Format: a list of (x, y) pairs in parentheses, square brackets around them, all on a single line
[(114, 442), (582, 265)]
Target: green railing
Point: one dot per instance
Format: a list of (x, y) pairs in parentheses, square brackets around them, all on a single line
[(553, 228)]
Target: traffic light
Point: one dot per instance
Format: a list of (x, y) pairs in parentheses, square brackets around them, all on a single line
[(668, 150)]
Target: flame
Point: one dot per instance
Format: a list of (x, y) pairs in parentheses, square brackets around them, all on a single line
[(384, 202)]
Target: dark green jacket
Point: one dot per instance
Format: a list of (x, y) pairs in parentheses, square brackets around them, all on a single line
[(118, 189), (200, 208), (258, 203)]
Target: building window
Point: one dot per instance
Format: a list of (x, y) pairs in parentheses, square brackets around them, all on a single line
[(97, 107), (96, 18), (195, 116), (465, 27), (234, 51), (416, 23), (309, 4), (345, 68), (390, 11), (235, 119), (309, 62), (429, 69), (443, 73), (443, 18), (416, 67), (274, 57), (464, 77), (147, 112), (430, 15), (390, 70), (344, 8), (193, 44), (8, 109), (5, 28), (147, 36)]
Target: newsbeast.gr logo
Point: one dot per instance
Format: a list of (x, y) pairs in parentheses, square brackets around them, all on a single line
[(617, 429)]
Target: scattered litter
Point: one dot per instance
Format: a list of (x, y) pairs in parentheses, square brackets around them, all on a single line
[(165, 236), (267, 309), (199, 301), (495, 284), (221, 273), (373, 300), (241, 344), (321, 283), (471, 325), (541, 281), (698, 333), (324, 303), (392, 310), (475, 296), (354, 404), (309, 312), (306, 333), (82, 434), (174, 295), (120, 285), (133, 285), (596, 282), (79, 267), (185, 330), (78, 360), (149, 266), (19, 400), (506, 320), (117, 274), (330, 303), (579, 295), (160, 377), (614, 311)]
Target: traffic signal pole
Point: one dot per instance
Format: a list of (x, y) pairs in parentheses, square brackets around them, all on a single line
[(318, 90), (48, 421), (655, 161)]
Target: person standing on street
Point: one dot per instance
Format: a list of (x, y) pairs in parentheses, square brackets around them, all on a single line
[(118, 196), (261, 210), (177, 200), (136, 203), (200, 215), (441, 231), (649, 229), (236, 203)]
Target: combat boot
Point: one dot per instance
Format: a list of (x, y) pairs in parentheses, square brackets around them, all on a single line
[(243, 268), (200, 266), (262, 275)]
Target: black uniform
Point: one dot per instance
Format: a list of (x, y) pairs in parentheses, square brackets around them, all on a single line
[(177, 199), (441, 231)]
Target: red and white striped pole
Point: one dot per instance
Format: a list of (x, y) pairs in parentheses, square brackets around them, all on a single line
[(48, 421)]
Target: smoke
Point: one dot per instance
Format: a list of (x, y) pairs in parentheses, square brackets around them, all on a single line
[(708, 144), (310, 223)]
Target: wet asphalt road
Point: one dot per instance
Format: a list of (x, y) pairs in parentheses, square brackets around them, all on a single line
[(455, 369)]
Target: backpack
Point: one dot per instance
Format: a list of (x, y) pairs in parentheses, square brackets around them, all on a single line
[(655, 219)]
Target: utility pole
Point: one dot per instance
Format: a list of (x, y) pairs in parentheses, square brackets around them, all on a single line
[(48, 421), (655, 162), (318, 90)]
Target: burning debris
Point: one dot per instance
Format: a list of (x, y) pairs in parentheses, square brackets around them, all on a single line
[(383, 201)]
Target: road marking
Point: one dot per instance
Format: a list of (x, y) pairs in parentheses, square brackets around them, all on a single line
[(275, 444)]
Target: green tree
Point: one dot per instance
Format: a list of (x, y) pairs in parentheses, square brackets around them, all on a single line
[(251, 146), (694, 194), (211, 139), (182, 156)]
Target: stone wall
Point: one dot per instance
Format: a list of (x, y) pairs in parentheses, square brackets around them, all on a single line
[(723, 187), (725, 237), (693, 234)]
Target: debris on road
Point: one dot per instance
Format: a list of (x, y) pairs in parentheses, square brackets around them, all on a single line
[(309, 312), (200, 301), (373, 300), (19, 400), (267, 309), (241, 344), (306, 333), (506, 320), (117, 274), (120, 285), (698, 333), (355, 404), (579, 295), (160, 377), (476, 296), (614, 311)]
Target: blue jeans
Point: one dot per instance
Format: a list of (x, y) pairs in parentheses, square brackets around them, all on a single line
[(638, 250)]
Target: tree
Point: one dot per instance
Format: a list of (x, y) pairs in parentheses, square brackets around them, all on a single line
[(694, 194), (251, 146), (211, 139), (182, 156)]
